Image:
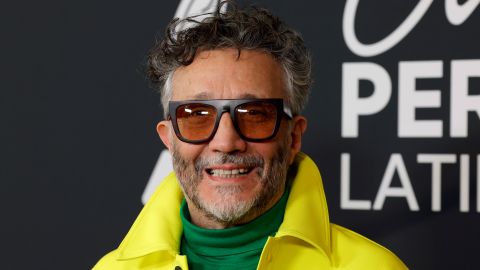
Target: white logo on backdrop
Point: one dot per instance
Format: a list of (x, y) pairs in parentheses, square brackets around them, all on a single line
[(164, 166), (410, 100), (456, 15)]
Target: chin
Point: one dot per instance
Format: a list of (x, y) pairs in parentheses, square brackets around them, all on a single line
[(229, 207)]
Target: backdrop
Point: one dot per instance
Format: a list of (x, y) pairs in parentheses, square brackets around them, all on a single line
[(394, 123)]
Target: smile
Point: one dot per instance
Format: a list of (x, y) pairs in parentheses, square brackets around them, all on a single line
[(228, 173)]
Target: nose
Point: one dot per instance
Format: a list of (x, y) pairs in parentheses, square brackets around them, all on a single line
[(226, 138)]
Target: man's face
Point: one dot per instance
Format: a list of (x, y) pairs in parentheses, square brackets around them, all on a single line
[(229, 180)]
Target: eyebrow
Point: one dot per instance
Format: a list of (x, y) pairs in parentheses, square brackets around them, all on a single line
[(205, 95), (201, 95)]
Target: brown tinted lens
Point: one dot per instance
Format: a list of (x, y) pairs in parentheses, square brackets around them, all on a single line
[(196, 121), (256, 120)]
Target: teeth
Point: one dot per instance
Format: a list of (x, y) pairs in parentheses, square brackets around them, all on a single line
[(228, 173)]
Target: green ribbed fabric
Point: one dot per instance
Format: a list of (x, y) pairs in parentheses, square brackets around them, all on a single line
[(232, 248)]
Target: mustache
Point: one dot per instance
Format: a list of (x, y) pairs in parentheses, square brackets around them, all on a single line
[(248, 160)]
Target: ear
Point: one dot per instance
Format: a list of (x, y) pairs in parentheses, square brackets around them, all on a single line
[(298, 128), (163, 130)]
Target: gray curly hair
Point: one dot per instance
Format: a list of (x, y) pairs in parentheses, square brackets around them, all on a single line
[(251, 28)]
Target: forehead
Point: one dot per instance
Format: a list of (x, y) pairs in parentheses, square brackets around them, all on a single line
[(222, 74)]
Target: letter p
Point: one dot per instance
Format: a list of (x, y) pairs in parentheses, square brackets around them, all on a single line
[(352, 104)]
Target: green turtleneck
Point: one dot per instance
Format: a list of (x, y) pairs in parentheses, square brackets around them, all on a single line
[(232, 248)]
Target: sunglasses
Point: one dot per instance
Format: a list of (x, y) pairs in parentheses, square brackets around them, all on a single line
[(255, 120)]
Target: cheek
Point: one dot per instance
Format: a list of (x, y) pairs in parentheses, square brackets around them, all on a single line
[(266, 149), (270, 150), (187, 151)]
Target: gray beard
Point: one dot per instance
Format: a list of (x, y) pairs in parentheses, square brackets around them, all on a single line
[(272, 178)]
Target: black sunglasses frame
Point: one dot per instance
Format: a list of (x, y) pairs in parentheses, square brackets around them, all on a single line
[(227, 105)]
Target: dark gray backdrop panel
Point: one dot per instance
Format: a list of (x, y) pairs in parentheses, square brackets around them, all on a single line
[(78, 141)]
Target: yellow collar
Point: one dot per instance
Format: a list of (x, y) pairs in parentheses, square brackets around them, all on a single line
[(306, 214), (159, 228)]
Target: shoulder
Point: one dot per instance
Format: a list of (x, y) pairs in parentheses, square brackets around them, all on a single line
[(351, 248)]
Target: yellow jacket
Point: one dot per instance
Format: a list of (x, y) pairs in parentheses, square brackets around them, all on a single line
[(305, 240)]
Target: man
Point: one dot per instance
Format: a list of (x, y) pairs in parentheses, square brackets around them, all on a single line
[(242, 196)]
